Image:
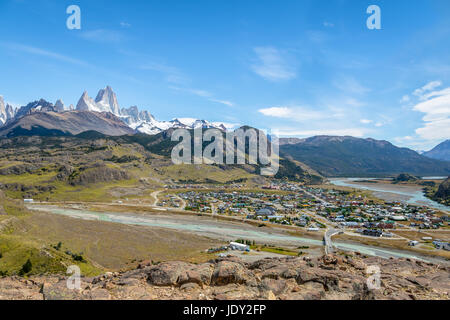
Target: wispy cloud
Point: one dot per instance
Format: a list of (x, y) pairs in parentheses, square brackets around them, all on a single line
[(354, 132), (350, 85), (171, 74), (405, 99), (300, 114), (124, 24), (43, 53), (225, 102), (196, 92), (204, 94), (426, 88), (352, 102), (271, 65), (328, 24), (103, 36)]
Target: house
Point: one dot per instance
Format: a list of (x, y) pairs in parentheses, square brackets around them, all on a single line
[(413, 243), (28, 200), (265, 212), (301, 223), (398, 218), (441, 245), (239, 246), (372, 233)]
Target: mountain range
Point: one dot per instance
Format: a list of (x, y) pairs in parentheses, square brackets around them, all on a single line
[(440, 152), (322, 155), (36, 115), (350, 156)]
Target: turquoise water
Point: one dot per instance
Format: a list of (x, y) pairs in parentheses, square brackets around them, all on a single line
[(217, 229), (415, 197)]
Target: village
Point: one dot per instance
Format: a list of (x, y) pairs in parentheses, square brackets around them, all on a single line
[(312, 208)]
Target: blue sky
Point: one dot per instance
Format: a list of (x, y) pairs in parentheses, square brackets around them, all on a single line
[(298, 68)]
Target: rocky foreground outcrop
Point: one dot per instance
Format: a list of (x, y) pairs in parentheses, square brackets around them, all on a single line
[(329, 277)]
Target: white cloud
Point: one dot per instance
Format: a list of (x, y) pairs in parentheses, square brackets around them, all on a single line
[(432, 94), (299, 114), (428, 87), (416, 143), (225, 102), (328, 24), (310, 122), (354, 102), (436, 108), (271, 65), (44, 53), (124, 24), (404, 139), (102, 36), (354, 132), (405, 99), (436, 130), (365, 121), (203, 94), (196, 92)]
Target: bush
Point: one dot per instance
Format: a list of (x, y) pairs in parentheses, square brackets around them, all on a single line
[(26, 268), (78, 257)]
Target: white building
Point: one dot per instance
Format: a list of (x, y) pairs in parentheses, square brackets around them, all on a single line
[(239, 246)]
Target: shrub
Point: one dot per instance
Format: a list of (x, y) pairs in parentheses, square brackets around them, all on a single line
[(26, 268)]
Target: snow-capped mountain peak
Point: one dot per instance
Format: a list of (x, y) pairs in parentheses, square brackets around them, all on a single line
[(2, 111), (86, 103), (59, 105), (106, 101)]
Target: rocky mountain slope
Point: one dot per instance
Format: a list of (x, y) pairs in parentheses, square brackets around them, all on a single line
[(326, 278), (443, 193), (46, 167), (50, 122), (349, 156), (441, 151)]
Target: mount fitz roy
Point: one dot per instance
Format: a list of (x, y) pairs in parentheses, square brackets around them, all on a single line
[(141, 121), (102, 114)]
